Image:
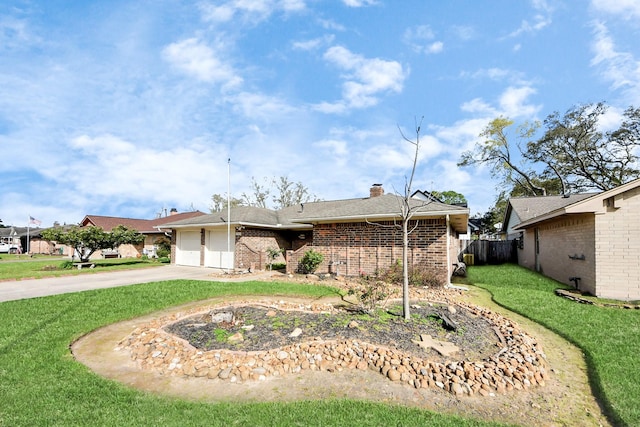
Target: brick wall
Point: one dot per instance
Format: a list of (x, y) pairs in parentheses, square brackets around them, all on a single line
[(618, 248), (252, 244), (365, 248), (567, 249)]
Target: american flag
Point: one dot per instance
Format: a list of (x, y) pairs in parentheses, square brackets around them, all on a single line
[(32, 220)]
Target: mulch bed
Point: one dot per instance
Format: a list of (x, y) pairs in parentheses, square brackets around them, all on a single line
[(263, 328)]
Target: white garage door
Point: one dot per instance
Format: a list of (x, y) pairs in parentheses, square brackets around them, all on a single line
[(188, 248), (216, 254)]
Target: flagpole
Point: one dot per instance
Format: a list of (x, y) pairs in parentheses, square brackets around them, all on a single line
[(228, 211), (28, 224)]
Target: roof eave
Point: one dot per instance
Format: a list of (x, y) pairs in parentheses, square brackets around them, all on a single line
[(383, 217)]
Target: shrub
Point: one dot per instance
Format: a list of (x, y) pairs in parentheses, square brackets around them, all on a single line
[(66, 265), (163, 253), (277, 266), (164, 260), (311, 261), (372, 291), (419, 275), (163, 247), (422, 275)]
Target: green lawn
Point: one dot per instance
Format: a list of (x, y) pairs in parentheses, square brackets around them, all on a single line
[(42, 385), (15, 267), (609, 337)]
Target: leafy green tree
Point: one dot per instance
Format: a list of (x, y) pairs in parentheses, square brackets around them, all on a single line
[(450, 197), (576, 152), (87, 240), (496, 151)]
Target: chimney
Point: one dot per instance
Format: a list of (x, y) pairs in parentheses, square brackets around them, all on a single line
[(173, 211), (376, 190)]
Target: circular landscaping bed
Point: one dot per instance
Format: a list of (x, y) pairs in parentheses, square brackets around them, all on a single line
[(460, 348)]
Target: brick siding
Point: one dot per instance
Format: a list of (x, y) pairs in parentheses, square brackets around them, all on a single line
[(364, 248), (618, 248)]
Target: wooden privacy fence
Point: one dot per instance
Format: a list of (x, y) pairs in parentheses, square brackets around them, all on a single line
[(491, 252)]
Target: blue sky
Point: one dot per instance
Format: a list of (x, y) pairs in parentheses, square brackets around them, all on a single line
[(126, 108)]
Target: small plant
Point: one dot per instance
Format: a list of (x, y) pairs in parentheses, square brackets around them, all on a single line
[(66, 265), (311, 261), (221, 335), (372, 291), (273, 253)]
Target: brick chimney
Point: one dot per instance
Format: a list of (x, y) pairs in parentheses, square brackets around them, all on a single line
[(376, 190), (173, 211)]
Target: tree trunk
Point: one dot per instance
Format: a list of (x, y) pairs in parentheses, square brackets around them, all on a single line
[(405, 268)]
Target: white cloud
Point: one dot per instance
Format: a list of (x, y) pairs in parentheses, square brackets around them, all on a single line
[(621, 69), (420, 38), (256, 106), (513, 102), (540, 20), (360, 3), (334, 149), (365, 78), (15, 34), (464, 32), (199, 60), (625, 9), (313, 44), (476, 106), (109, 167), (252, 11), (435, 47)]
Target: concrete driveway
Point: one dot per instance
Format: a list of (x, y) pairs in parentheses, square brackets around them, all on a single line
[(21, 289)]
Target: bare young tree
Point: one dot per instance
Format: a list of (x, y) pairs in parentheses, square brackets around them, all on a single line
[(408, 207), (407, 211)]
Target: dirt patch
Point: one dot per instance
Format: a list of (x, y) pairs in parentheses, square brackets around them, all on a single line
[(564, 400)]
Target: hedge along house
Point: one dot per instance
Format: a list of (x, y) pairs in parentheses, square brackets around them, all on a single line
[(589, 241), (356, 236)]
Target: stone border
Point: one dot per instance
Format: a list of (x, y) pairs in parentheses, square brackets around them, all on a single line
[(518, 365)]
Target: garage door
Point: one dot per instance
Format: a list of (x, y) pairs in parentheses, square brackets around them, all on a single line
[(188, 248), (216, 254)]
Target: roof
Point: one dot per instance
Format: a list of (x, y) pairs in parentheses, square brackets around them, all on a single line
[(531, 207), (385, 207), (581, 203), (107, 223)]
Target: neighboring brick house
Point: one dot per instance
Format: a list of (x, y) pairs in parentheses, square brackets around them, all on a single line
[(148, 227), (354, 235), (589, 241)]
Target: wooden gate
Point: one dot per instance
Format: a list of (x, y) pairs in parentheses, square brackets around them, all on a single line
[(491, 251)]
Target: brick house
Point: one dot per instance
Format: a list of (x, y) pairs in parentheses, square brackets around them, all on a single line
[(589, 241), (354, 235), (148, 227)]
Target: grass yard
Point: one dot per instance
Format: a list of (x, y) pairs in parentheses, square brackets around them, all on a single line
[(609, 337), (42, 385), (13, 267)]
